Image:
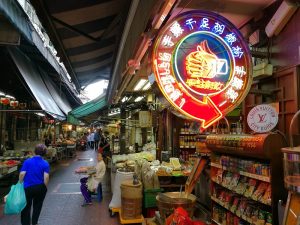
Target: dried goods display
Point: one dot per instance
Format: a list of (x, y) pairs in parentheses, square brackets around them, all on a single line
[(247, 178)]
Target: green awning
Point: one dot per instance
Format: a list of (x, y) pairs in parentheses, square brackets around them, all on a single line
[(72, 120), (88, 108)]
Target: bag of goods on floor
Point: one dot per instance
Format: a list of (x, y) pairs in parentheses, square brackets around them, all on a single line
[(120, 177)]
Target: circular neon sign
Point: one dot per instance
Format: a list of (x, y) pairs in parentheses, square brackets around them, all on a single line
[(202, 65)]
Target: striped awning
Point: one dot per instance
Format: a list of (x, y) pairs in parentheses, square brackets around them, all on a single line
[(87, 32), (88, 108)]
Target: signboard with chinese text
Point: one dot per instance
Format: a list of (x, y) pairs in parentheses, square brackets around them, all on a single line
[(202, 66)]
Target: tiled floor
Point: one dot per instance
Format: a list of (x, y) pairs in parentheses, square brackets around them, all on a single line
[(62, 205)]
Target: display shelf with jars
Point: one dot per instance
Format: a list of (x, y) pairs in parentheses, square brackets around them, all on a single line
[(191, 141)]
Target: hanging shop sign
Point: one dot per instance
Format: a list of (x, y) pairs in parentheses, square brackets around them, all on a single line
[(202, 66), (262, 118)]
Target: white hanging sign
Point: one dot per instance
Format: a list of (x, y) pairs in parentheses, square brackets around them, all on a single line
[(262, 118)]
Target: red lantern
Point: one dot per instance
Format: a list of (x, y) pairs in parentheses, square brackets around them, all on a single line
[(5, 101), (14, 104)]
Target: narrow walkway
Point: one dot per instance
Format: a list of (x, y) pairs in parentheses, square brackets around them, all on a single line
[(62, 205)]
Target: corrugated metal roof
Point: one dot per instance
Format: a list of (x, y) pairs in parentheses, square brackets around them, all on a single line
[(88, 33)]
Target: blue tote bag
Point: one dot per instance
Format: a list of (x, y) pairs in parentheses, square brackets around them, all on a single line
[(16, 199)]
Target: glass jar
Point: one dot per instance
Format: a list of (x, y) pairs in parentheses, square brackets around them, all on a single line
[(291, 160)]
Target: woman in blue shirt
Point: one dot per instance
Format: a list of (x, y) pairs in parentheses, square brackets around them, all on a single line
[(35, 175)]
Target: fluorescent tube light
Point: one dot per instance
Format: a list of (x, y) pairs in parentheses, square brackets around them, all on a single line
[(147, 86), (40, 114), (140, 84), (139, 98), (125, 98)]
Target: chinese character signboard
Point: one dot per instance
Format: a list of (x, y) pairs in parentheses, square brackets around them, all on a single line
[(202, 66)]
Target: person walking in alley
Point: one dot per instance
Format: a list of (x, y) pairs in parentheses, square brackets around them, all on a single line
[(35, 175), (89, 184), (96, 140)]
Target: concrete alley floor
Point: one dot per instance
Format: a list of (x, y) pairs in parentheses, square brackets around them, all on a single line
[(62, 205)]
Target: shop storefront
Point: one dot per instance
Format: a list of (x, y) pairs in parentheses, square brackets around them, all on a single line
[(199, 114), (201, 72)]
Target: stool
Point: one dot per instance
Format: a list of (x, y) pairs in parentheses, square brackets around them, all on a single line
[(98, 193)]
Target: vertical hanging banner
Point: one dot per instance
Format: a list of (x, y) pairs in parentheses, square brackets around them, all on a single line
[(202, 66)]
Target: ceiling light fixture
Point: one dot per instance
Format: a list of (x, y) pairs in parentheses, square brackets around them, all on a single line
[(140, 84), (114, 112), (40, 114), (9, 96), (124, 99), (147, 86), (139, 98)]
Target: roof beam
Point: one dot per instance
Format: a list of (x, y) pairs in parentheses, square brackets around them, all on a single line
[(98, 39), (74, 29)]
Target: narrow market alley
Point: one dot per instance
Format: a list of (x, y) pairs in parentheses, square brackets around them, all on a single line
[(62, 205)]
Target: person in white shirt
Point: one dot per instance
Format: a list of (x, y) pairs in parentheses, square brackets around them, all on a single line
[(89, 140), (89, 184), (92, 139)]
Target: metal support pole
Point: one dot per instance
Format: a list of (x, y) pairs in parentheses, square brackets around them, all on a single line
[(1, 125), (123, 132)]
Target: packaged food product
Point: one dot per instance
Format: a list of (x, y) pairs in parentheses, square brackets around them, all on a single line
[(219, 176), (222, 196), (268, 218), (235, 204), (251, 185), (260, 190), (236, 221), (175, 163), (229, 218), (241, 187), (241, 208), (261, 218), (214, 191), (227, 179), (234, 181), (248, 210), (266, 198), (255, 215), (228, 199)]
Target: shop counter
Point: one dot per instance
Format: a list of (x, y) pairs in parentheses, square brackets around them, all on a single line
[(176, 180), (6, 171), (71, 151)]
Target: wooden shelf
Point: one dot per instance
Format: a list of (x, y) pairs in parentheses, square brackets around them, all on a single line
[(187, 147), (216, 222), (222, 204), (239, 193), (171, 185), (186, 133), (246, 174)]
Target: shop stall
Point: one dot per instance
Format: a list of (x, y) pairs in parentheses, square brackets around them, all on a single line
[(246, 175)]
